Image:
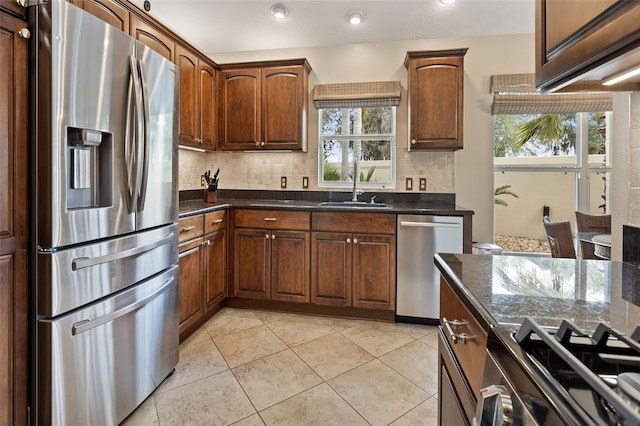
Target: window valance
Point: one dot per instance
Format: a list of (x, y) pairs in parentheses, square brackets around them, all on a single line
[(516, 94), (366, 94)]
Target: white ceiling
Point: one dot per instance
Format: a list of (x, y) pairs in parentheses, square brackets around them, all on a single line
[(241, 25)]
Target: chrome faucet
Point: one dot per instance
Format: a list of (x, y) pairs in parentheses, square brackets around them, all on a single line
[(356, 191)]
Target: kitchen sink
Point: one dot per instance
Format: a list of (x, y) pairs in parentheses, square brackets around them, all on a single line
[(350, 204)]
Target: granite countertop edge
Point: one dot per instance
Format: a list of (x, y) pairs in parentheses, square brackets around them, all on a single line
[(194, 207)]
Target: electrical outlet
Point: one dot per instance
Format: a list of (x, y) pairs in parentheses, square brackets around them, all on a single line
[(283, 182), (202, 182), (422, 186), (409, 184), (305, 182)]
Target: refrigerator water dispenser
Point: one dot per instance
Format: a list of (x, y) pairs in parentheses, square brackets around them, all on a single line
[(89, 168)]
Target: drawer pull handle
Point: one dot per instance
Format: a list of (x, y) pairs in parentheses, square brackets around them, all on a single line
[(188, 228), (270, 219), (217, 221), (450, 326)]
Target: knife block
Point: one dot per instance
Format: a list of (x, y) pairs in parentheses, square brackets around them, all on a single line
[(210, 196)]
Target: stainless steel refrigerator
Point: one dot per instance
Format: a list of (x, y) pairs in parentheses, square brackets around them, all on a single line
[(105, 214)]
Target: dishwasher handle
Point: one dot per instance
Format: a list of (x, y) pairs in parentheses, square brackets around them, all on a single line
[(430, 224)]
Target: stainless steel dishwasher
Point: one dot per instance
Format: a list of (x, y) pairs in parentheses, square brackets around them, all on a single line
[(420, 237)]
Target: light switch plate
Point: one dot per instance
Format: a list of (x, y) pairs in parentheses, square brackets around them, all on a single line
[(202, 180), (283, 182), (305, 182), (409, 184), (422, 186)]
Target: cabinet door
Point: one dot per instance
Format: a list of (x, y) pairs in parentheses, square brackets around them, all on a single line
[(374, 278), (215, 259), (575, 36), (290, 266), (283, 107), (13, 7), (435, 103), (251, 265), (331, 268), (109, 11), (152, 37), (14, 173), (191, 274), (240, 109), (187, 62), (207, 104)]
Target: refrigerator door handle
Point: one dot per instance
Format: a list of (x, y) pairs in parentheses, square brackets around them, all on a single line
[(86, 262), (85, 325), (144, 145), (140, 129), (129, 139)]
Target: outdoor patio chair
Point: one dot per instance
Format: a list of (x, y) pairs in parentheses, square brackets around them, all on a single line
[(600, 223), (560, 238)]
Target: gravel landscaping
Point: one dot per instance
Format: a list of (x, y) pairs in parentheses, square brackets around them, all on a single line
[(522, 244)]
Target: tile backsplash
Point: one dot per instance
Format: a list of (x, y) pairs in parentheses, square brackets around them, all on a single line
[(262, 170)]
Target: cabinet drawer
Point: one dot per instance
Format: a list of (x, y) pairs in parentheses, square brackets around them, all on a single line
[(214, 221), (471, 353), (272, 219), (378, 223), (190, 227)]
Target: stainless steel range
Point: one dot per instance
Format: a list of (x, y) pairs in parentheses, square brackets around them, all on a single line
[(105, 209), (546, 376)]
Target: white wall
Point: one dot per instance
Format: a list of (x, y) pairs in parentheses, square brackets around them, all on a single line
[(468, 173)]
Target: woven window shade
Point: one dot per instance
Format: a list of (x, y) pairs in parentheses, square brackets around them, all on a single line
[(357, 95), (516, 94)]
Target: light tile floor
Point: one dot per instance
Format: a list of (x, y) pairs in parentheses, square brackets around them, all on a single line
[(248, 367)]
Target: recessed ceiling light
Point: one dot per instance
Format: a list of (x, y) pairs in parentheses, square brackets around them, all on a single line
[(447, 1), (355, 18), (279, 11)]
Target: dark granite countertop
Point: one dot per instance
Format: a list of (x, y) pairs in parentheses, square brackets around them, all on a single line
[(503, 290), (437, 204)]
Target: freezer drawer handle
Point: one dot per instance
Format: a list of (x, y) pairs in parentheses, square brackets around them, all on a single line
[(84, 325), (431, 224), (86, 262)]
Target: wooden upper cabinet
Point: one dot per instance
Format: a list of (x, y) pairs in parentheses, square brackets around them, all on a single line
[(435, 89), (207, 116), (197, 100), (284, 107), (239, 109), (187, 63), (574, 38), (152, 37), (109, 11), (263, 105)]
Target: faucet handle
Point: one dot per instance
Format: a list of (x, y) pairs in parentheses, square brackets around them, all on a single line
[(373, 199), (359, 191)]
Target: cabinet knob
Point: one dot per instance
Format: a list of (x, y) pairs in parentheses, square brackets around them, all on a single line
[(266, 236), (348, 240), (355, 241), (23, 3), (273, 237), (25, 33), (261, 143), (413, 141)]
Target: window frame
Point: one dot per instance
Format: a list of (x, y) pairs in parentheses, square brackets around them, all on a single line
[(392, 137)]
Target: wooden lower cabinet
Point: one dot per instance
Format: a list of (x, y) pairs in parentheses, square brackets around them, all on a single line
[(191, 276), (203, 263), (270, 264), (215, 259), (353, 270)]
